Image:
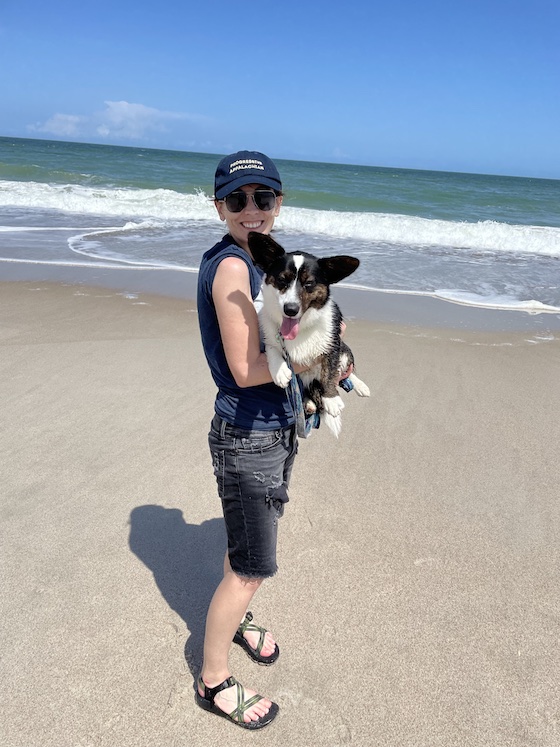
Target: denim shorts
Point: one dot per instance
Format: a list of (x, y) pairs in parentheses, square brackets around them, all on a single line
[(252, 469)]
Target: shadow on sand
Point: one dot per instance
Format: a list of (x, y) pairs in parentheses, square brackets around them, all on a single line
[(187, 563)]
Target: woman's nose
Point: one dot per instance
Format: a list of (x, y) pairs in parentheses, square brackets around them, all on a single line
[(251, 205)]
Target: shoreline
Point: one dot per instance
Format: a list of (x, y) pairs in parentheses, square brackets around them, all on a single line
[(403, 309)]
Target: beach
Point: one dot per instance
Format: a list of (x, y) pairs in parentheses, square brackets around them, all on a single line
[(416, 602)]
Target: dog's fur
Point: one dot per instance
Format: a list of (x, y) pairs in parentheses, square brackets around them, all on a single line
[(297, 305)]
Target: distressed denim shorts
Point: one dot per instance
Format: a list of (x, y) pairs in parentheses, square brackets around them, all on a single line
[(252, 469)]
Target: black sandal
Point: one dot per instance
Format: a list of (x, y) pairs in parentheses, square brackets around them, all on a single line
[(255, 653), (236, 716)]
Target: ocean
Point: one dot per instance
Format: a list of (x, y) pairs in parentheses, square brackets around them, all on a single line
[(489, 241)]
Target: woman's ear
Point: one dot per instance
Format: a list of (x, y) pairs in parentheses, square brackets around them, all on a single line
[(278, 205), (220, 208)]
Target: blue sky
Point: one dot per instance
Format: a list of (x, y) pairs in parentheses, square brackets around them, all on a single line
[(457, 86)]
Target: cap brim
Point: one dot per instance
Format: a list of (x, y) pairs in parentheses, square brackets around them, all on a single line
[(241, 181)]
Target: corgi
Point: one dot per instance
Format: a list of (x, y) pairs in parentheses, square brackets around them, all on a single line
[(299, 315)]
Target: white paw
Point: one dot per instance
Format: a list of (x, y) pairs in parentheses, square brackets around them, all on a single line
[(334, 424), (361, 389), (310, 407), (283, 375), (333, 405)]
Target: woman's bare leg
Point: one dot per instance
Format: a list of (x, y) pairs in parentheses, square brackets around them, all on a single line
[(227, 609)]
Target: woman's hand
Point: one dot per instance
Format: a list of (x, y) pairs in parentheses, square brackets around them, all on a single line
[(346, 373), (350, 368)]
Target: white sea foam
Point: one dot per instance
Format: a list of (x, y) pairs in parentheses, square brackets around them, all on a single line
[(27, 229), (76, 245), (103, 265), (505, 303), (411, 230), (166, 205)]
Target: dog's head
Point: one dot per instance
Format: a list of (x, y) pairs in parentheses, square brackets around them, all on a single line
[(298, 280)]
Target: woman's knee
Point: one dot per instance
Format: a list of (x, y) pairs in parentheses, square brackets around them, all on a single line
[(250, 582)]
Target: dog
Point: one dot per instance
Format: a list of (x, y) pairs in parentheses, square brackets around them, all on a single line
[(298, 315)]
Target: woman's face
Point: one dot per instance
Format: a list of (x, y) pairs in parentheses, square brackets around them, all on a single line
[(250, 218)]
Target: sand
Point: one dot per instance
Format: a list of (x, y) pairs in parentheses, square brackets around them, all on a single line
[(417, 598)]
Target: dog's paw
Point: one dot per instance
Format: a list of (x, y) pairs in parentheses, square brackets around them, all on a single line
[(283, 375), (334, 424), (309, 407), (333, 405), (361, 389)]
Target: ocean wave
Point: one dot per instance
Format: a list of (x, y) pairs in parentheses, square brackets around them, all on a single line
[(164, 204), (505, 303), (464, 298), (414, 231), (168, 206), (104, 265), (475, 300), (31, 229)]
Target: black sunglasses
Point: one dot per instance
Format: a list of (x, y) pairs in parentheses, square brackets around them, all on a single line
[(264, 199)]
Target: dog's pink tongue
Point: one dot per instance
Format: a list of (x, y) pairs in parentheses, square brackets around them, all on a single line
[(289, 328)]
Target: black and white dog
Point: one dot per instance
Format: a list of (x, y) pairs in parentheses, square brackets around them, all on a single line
[(297, 306)]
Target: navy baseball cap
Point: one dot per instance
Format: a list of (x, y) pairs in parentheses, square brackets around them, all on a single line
[(245, 167)]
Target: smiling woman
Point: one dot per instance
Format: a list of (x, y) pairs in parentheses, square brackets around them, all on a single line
[(252, 437)]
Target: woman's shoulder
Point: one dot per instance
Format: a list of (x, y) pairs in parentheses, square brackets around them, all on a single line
[(225, 247), (232, 275), (228, 259), (233, 264)]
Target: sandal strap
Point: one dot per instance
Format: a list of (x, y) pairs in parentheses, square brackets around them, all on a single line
[(246, 621), (211, 692), (248, 625), (243, 705)]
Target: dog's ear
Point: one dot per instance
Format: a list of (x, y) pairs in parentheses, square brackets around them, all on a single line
[(264, 249), (336, 269)]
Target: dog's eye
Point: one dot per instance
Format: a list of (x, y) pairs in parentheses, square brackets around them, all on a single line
[(281, 284), (310, 285)]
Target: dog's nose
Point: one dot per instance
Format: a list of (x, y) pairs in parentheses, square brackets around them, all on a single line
[(291, 309)]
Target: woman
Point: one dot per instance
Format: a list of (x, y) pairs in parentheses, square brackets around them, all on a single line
[(252, 438)]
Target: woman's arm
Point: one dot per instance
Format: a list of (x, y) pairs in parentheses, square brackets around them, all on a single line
[(239, 325)]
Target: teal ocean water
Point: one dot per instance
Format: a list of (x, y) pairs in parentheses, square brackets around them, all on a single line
[(475, 239)]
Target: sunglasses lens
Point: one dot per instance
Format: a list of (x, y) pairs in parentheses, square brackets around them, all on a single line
[(236, 201), (265, 199)]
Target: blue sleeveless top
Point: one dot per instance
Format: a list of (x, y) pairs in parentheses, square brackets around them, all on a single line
[(263, 407)]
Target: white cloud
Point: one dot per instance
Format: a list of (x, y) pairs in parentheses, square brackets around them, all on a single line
[(133, 121), (63, 125), (120, 120)]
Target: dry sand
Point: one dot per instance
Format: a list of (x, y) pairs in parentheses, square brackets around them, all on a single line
[(417, 601)]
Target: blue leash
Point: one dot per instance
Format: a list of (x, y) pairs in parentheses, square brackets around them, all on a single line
[(304, 423)]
